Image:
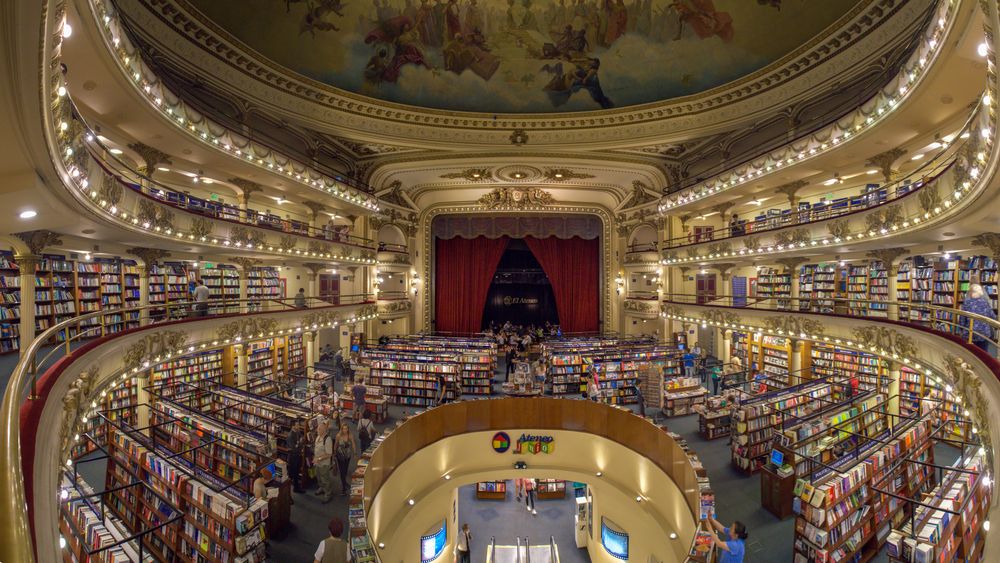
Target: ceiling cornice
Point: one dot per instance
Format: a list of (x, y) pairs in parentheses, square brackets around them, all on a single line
[(831, 56)]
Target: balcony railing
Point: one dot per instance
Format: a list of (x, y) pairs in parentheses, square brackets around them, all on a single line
[(949, 321), (22, 389)]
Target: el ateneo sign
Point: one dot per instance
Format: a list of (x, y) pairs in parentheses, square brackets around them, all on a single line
[(525, 444), (508, 301)]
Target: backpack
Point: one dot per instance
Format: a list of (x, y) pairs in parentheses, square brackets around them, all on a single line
[(366, 432)]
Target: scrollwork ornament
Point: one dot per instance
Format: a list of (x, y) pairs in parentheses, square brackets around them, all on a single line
[(320, 318), (839, 229), (794, 325), (74, 404), (395, 307), (673, 312), (751, 243), (990, 241), (929, 198), (153, 346), (887, 340), (516, 198), (884, 218), (201, 227), (968, 385), (246, 328), (287, 243), (721, 317)]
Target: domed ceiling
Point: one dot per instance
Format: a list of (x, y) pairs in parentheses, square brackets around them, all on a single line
[(524, 56)]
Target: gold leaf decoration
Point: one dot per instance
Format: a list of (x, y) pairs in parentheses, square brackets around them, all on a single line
[(516, 198)]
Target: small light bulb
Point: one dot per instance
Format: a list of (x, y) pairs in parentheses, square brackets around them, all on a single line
[(411, 502), (67, 30)]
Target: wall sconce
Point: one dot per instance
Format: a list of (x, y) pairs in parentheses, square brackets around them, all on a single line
[(620, 285)]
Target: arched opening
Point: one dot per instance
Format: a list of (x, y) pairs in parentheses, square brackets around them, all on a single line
[(391, 239), (642, 239)]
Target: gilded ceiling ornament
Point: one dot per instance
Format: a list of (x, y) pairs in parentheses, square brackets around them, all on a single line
[(839, 228), (155, 215), (367, 310), (153, 346), (887, 340), (366, 149), (639, 195), (149, 256), (751, 243), (884, 217), (724, 207), (720, 248), (245, 263), (248, 188), (968, 385), (672, 311), (246, 236), (470, 175), (721, 317), (396, 196), (516, 198), (884, 161), (248, 327), (319, 247), (791, 190), (640, 306), (691, 252), (724, 268), (201, 227), (791, 263), (794, 325), (887, 256), (314, 208), (74, 405), (110, 190), (39, 240), (622, 229), (320, 318), (287, 242), (394, 307), (398, 258), (563, 174), (518, 137), (151, 158), (929, 197), (315, 268), (991, 241), (790, 237)]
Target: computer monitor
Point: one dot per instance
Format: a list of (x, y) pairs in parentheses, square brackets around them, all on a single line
[(777, 458)]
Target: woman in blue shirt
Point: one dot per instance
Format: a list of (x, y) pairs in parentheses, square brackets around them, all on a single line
[(731, 547)]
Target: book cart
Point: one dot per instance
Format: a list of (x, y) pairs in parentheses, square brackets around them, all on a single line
[(491, 490)]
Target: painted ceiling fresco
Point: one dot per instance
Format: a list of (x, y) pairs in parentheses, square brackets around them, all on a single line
[(524, 56)]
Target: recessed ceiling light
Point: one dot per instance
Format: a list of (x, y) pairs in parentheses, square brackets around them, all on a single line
[(411, 502), (28, 214), (115, 151), (872, 171), (917, 157), (162, 169), (982, 49), (207, 180)]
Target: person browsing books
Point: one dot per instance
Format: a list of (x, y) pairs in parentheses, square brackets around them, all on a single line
[(333, 549), (732, 545)]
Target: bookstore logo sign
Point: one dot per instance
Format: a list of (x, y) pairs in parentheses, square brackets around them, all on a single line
[(501, 442)]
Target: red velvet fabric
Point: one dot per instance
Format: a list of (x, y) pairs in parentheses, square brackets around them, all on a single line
[(464, 272), (573, 266)]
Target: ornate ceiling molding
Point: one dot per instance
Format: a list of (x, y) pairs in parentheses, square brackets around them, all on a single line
[(840, 51), (516, 198)]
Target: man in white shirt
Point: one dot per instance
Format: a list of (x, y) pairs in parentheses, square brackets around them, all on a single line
[(200, 297), (323, 461), (333, 549), (463, 547)]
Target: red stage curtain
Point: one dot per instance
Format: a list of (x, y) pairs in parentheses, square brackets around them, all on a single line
[(573, 267), (464, 272)]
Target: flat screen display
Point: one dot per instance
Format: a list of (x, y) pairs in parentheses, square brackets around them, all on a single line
[(614, 541), (777, 458), (432, 545)]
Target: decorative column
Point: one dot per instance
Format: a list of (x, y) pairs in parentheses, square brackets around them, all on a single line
[(244, 265), (141, 381), (309, 338), (791, 191), (890, 257), (314, 211), (148, 257), (723, 210), (884, 161), (240, 352), (36, 241), (26, 264), (725, 349), (892, 406), (312, 288), (150, 158), (795, 365), (248, 188)]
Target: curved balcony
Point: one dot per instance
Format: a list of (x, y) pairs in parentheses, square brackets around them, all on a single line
[(956, 177), (132, 201), (866, 116), (629, 455), (209, 132), (36, 394)]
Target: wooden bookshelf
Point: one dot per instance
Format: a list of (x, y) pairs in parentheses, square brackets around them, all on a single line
[(566, 372), (491, 490), (217, 526), (550, 488), (830, 360), (776, 285), (478, 357), (412, 379)]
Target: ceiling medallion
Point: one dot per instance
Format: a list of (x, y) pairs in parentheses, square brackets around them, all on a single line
[(516, 198), (519, 173), (470, 174)]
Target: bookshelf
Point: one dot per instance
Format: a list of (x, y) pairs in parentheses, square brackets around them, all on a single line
[(262, 366), (117, 406), (296, 359), (830, 361), (131, 292), (903, 288), (10, 300), (618, 380), (566, 373), (223, 283), (263, 283), (755, 420), (217, 526), (837, 508), (950, 526), (715, 418), (817, 437), (681, 395), (773, 284), (491, 490), (412, 379), (478, 357), (878, 290), (192, 369), (550, 488), (857, 289)]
